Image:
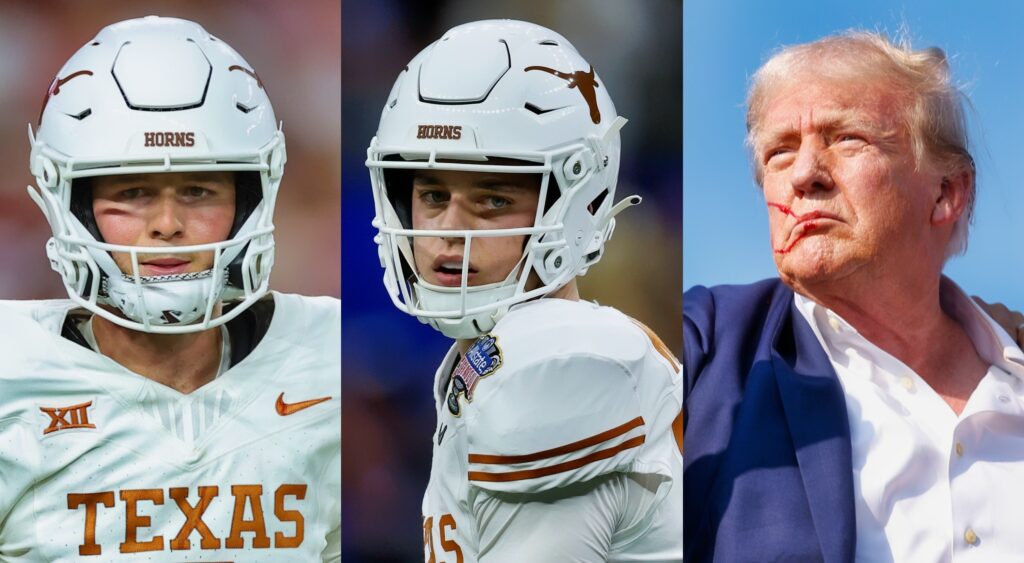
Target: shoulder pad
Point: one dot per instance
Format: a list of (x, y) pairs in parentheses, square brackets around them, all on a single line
[(308, 315), (559, 327), (553, 422), (49, 314), (27, 330), (563, 392)]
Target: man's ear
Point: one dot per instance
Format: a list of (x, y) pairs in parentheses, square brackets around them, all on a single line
[(954, 196)]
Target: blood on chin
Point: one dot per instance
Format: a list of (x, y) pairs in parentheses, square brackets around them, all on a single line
[(805, 229), (818, 259)]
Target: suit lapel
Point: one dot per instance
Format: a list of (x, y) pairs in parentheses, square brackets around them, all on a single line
[(815, 411)]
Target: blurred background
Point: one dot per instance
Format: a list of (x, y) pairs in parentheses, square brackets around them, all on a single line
[(389, 358), (726, 233), (297, 53)]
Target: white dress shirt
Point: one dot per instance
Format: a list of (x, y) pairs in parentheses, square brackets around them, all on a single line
[(930, 485)]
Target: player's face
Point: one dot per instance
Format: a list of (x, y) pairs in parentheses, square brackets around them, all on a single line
[(165, 210), (458, 200), (840, 179)]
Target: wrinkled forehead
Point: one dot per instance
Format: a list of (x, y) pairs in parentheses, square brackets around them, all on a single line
[(810, 102)]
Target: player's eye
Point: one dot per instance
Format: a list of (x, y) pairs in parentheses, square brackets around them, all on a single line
[(497, 202), (131, 193), (432, 197), (196, 192)]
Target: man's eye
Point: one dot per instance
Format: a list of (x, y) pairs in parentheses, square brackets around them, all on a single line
[(131, 193), (849, 137), (197, 191), (432, 197), (776, 152), (496, 202)]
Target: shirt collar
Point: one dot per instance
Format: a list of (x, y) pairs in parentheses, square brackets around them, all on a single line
[(992, 343)]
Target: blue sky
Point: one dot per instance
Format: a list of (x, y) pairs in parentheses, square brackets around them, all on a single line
[(725, 225)]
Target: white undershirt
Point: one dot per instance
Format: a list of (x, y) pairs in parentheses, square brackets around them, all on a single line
[(85, 328), (929, 485)]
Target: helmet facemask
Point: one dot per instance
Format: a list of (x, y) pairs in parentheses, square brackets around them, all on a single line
[(147, 96), (172, 304), (549, 258)]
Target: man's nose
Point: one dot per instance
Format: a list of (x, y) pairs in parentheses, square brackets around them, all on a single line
[(166, 221), (455, 217), (810, 172)]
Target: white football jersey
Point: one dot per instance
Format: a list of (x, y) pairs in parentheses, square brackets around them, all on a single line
[(558, 394), (101, 464)]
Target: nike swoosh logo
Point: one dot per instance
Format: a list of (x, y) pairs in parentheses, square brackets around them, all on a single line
[(285, 409)]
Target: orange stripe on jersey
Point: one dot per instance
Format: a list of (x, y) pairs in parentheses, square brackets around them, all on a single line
[(553, 469), (659, 345), (568, 448)]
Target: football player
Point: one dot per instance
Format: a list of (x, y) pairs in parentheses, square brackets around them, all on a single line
[(173, 409), (494, 170)]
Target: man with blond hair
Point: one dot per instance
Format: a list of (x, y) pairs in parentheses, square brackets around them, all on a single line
[(861, 406)]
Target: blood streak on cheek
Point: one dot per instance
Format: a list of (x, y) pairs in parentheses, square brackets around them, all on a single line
[(787, 211), (783, 208)]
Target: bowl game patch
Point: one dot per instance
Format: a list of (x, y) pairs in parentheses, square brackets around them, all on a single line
[(482, 359)]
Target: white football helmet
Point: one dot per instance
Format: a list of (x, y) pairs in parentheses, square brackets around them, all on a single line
[(157, 95), (508, 90)]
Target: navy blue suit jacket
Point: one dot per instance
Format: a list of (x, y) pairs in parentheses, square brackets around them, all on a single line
[(768, 474)]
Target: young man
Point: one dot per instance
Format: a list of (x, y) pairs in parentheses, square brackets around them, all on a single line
[(172, 409), (494, 171)]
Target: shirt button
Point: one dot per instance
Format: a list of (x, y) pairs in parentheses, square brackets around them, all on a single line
[(960, 452), (1004, 399), (907, 383), (834, 323), (970, 537)]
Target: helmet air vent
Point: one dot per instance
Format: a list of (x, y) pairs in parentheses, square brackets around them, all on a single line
[(462, 70), (179, 83), (534, 109), (82, 114)]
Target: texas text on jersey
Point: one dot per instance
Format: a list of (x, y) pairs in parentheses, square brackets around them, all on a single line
[(100, 464)]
